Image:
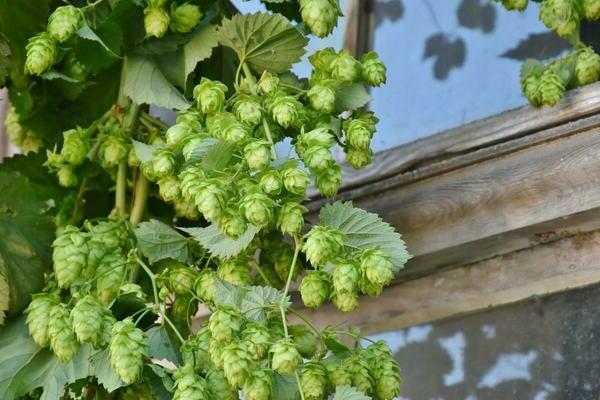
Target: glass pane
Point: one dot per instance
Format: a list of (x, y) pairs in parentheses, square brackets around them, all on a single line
[(451, 62), (540, 349)]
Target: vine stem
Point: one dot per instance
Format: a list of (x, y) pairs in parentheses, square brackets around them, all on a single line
[(270, 139), (121, 190), (292, 269), (140, 198)]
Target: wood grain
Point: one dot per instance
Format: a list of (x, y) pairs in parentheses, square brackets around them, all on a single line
[(541, 270)]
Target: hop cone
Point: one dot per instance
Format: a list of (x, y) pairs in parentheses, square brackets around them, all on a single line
[(322, 96), (189, 386), (75, 146), (285, 356), (139, 391), (314, 381), (587, 67), (305, 340), (290, 217), (385, 371), (64, 22), (319, 15), (318, 158), (329, 181), (185, 17), (210, 95), (285, 110), (108, 320), (268, 83), (282, 257), (237, 363), (42, 54), (105, 237), (561, 16), (344, 300), (69, 256), (215, 350), (377, 266), (530, 85), (360, 372), (257, 155), (591, 9), (195, 350), (177, 133), (315, 288), (224, 324), (338, 374), (235, 270), (156, 21), (163, 162), (373, 69), (114, 150), (552, 87), (518, 5), (109, 274), (248, 110), (345, 276), (257, 339), (344, 67), (87, 319), (38, 317), (295, 180), (168, 188), (210, 199), (191, 178), (63, 341), (182, 279), (205, 285), (218, 387), (358, 158), (257, 208), (323, 244), (270, 182), (66, 176), (358, 134), (258, 385), (127, 350)]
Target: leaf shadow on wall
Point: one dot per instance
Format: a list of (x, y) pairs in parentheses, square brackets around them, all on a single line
[(448, 51)]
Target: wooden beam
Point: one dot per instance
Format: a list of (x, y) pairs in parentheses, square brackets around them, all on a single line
[(544, 269)]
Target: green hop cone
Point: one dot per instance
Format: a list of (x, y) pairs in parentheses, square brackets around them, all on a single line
[(215, 350), (295, 180), (322, 60), (257, 339), (344, 300), (235, 271), (313, 379), (233, 224), (373, 69), (191, 179), (530, 86), (127, 350), (163, 162), (376, 265), (190, 144), (591, 9), (210, 199), (270, 182), (182, 279), (178, 133), (64, 22), (205, 285), (329, 181), (257, 155), (237, 364), (258, 385), (224, 324), (218, 386), (69, 256), (169, 188), (552, 87), (114, 150), (358, 158), (323, 244), (109, 276), (234, 132), (195, 350), (358, 134), (74, 68), (318, 158), (184, 17), (63, 341), (105, 333), (189, 386), (267, 84), (518, 5), (104, 237), (42, 53), (561, 16), (337, 374), (587, 67), (257, 207), (248, 110), (285, 110), (369, 288), (156, 21), (76, 145), (385, 371), (322, 96), (87, 319), (345, 276), (315, 288), (210, 95), (320, 15), (305, 340), (360, 371), (284, 356), (344, 67), (66, 176), (38, 317), (290, 217), (317, 137)]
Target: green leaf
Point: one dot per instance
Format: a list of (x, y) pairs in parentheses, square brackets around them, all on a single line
[(4, 298), (258, 300), (144, 151), (284, 387), (158, 241), (87, 33), (146, 84), (346, 392), (104, 373), (264, 41), (201, 149), (351, 97), (228, 294), (4, 60), (217, 243), (336, 347), (159, 344), (364, 230), (218, 156), (54, 74), (159, 381)]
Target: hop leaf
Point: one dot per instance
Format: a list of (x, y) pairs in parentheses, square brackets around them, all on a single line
[(127, 350), (64, 22)]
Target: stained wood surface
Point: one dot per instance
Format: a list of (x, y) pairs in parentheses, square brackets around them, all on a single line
[(547, 268)]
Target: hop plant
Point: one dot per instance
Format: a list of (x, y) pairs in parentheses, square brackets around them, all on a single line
[(345, 276), (69, 256), (64, 22), (210, 199), (320, 15), (256, 339), (184, 17), (248, 110), (329, 181), (63, 341), (218, 387), (38, 317), (195, 350), (257, 208), (163, 163), (189, 386), (344, 67), (114, 150), (205, 285), (373, 69), (87, 319), (358, 134), (314, 381), (169, 188), (270, 182), (338, 374), (318, 159), (530, 85), (322, 95), (232, 223), (109, 275), (235, 271), (75, 146), (284, 356), (258, 385), (315, 288), (127, 350), (358, 158), (551, 87), (561, 16), (377, 266), (210, 95), (385, 371), (156, 21), (42, 53), (224, 324), (182, 279), (323, 244), (295, 180), (237, 364), (304, 339), (285, 110), (587, 66), (591, 9), (290, 217), (268, 83), (360, 371), (257, 155)]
